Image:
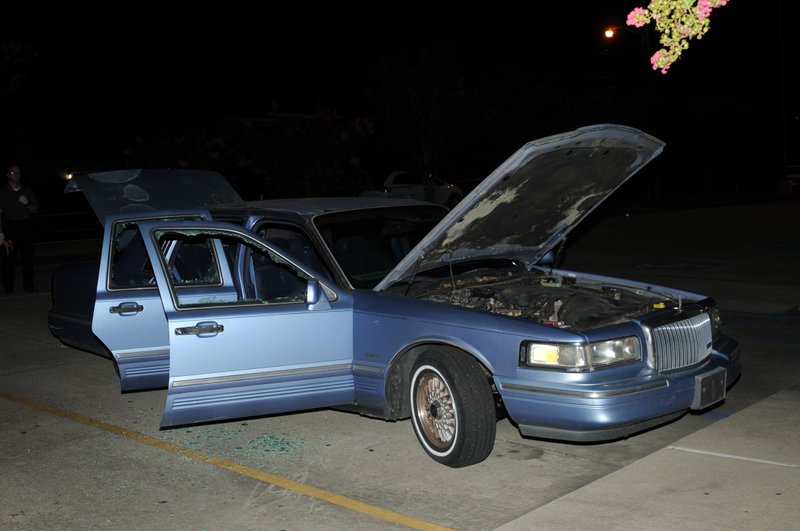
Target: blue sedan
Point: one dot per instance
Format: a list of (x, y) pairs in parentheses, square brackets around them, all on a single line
[(399, 308)]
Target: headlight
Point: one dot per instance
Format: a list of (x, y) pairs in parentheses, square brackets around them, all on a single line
[(576, 356)]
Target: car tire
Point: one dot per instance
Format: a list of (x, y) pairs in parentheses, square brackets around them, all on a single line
[(452, 408)]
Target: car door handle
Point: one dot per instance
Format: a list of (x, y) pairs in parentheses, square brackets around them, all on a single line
[(205, 329), (126, 307)]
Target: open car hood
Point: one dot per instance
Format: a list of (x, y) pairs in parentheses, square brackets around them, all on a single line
[(534, 199), (143, 190)]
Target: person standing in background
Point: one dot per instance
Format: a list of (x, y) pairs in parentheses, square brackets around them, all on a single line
[(18, 205)]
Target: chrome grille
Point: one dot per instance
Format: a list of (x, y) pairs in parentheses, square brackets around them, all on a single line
[(681, 344)]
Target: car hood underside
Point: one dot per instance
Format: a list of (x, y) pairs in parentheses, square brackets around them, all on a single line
[(533, 200)]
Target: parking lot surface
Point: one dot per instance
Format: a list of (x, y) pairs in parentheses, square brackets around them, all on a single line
[(78, 454)]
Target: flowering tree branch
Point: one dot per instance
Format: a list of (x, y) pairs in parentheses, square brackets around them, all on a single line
[(678, 21)]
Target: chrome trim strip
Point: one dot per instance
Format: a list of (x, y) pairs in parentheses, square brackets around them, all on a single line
[(260, 375), (368, 368), (587, 394), (139, 353)]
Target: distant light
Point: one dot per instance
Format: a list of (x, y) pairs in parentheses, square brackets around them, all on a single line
[(67, 176), (609, 33)]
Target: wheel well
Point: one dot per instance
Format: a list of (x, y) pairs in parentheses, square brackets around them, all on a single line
[(398, 377)]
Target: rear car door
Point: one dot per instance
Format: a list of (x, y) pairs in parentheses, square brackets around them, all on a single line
[(128, 315), (282, 341)]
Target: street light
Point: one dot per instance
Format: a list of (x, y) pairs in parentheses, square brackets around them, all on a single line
[(610, 34), (611, 31)]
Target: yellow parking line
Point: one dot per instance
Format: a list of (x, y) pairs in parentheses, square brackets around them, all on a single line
[(266, 477)]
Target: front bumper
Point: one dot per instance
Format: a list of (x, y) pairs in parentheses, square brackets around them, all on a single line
[(587, 413)]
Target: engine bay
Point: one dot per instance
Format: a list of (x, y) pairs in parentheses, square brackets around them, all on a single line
[(549, 298)]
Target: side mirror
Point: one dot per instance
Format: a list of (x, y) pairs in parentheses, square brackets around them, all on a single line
[(316, 296), (312, 291)]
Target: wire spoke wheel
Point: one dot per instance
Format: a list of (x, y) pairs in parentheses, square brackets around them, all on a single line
[(452, 407), (436, 410)]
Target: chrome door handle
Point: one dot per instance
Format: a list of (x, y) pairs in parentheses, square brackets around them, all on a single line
[(126, 307), (206, 329)]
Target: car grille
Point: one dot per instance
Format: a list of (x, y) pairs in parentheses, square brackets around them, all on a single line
[(682, 343)]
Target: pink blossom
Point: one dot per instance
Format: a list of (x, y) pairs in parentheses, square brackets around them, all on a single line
[(654, 61), (678, 21), (703, 9), (637, 17)]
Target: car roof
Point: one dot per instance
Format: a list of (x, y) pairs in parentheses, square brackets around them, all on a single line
[(309, 207)]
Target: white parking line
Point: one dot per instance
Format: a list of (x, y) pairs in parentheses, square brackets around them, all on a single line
[(737, 457)]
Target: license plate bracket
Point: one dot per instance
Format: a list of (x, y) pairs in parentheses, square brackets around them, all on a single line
[(709, 388)]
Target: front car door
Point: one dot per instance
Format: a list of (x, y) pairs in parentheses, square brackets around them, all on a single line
[(281, 341)]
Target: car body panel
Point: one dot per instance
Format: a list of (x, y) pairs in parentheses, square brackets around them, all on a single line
[(579, 406), (71, 312)]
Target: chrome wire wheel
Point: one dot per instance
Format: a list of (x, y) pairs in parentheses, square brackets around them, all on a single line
[(435, 409), (452, 407)]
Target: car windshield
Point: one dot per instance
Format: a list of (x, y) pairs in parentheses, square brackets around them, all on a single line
[(367, 244)]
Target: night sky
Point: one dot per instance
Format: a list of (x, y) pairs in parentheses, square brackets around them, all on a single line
[(207, 58), (451, 87)]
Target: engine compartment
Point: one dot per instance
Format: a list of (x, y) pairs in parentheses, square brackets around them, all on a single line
[(549, 298)]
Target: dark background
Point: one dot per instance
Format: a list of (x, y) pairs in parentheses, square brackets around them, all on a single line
[(326, 100)]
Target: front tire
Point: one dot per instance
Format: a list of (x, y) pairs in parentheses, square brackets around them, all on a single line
[(452, 408)]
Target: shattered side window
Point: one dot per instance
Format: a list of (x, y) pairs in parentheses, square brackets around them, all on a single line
[(193, 262), (199, 272), (196, 267), (130, 266), (272, 280)]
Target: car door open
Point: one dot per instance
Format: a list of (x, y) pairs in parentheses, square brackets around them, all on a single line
[(128, 315), (260, 335)]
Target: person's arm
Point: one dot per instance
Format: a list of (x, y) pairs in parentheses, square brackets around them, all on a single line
[(33, 204)]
